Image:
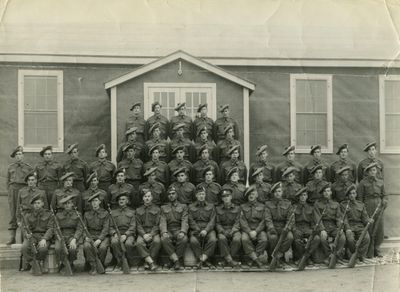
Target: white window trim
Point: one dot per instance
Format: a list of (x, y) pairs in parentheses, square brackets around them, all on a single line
[(212, 108), (328, 79), (382, 123), (60, 107)]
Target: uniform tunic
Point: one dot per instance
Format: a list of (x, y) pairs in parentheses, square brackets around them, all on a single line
[(164, 125), (313, 163), (134, 169), (157, 190), (313, 188), (228, 229), (164, 149), (223, 147), (162, 170), (115, 189), (238, 192), (281, 167), (24, 200), (139, 150), (62, 193), (105, 172), (184, 119), (263, 191), (338, 164), (80, 169), (185, 192), (48, 175), (148, 222), (175, 164), (87, 206), (268, 171), (364, 163), (219, 128), (290, 189), (188, 147), (213, 190), (339, 188), (136, 120), (228, 165), (211, 146), (200, 123), (198, 170)]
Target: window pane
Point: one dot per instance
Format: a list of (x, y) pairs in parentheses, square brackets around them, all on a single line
[(156, 96), (196, 99), (41, 129), (188, 98), (311, 95), (203, 97), (171, 97), (392, 96), (392, 130), (311, 129)]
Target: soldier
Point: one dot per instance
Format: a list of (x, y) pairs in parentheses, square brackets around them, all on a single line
[(181, 118), (131, 139), (48, 172), (234, 162), (178, 162), (252, 224), (136, 120), (277, 214), (262, 162), (163, 145), (67, 182), (125, 220), (93, 183), (370, 149), (134, 167), (203, 122), (228, 228), (211, 188), (330, 221), (174, 225), (340, 186), (203, 239), (184, 188), (104, 168), (71, 229), (180, 140), (157, 189), (119, 187), (357, 219), (263, 188), (316, 160), (224, 145), (148, 241), (77, 166), (290, 161), (40, 223), (16, 174), (162, 168), (238, 189), (289, 185), (314, 185), (343, 160), (223, 122), (305, 220), (160, 119), (371, 191), (203, 140), (97, 222), (204, 162)]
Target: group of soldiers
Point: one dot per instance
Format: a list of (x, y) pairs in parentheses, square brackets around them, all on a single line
[(182, 182)]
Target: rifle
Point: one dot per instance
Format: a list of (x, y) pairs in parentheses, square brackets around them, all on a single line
[(37, 270), (124, 261), (354, 256), (303, 262), (284, 233), (99, 265), (371, 246), (333, 259), (64, 261)]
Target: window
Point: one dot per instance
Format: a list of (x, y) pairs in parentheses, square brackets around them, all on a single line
[(170, 94), (311, 111), (40, 109), (389, 108)]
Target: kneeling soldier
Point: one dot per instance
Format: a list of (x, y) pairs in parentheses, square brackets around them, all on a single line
[(228, 228), (174, 227)]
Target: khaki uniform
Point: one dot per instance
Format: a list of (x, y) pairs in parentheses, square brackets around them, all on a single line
[(81, 171), (228, 165), (24, 200), (157, 190), (185, 192), (238, 192), (338, 164), (219, 128), (228, 230), (313, 188), (105, 172), (198, 170), (213, 190), (164, 125), (48, 175), (290, 189), (268, 171), (134, 169), (339, 188), (313, 163), (63, 192), (148, 221), (162, 170), (263, 191), (140, 123)]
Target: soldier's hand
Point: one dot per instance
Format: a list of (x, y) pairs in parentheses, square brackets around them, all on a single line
[(42, 243), (19, 224), (147, 237), (349, 233), (123, 237), (371, 220), (72, 243), (203, 233), (324, 235), (253, 234), (97, 242), (181, 235), (87, 239), (165, 235)]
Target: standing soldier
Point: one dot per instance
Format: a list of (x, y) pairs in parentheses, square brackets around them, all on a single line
[(228, 228), (340, 186), (371, 191), (263, 188), (224, 145), (252, 224), (104, 168), (234, 161), (131, 139), (136, 120), (343, 161), (223, 122), (162, 168), (174, 225), (183, 187), (211, 188), (289, 185), (179, 161), (204, 162), (160, 119), (77, 166), (370, 149), (290, 161), (48, 172), (163, 145), (181, 118), (262, 162), (203, 122), (314, 185), (119, 187), (93, 183), (134, 167), (316, 160), (203, 140), (157, 189), (67, 189), (203, 239), (16, 174), (238, 189), (180, 140), (148, 242)]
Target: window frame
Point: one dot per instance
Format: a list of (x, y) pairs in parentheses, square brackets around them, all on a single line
[(293, 112), (60, 107), (382, 115)]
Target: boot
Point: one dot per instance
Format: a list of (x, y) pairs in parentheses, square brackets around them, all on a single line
[(45, 266), (12, 237), (93, 270), (177, 265)]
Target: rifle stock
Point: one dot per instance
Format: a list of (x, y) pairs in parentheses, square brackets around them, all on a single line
[(333, 256)]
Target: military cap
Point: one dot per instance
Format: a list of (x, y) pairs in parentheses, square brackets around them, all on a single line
[(233, 148), (154, 126), (67, 198), (200, 189), (201, 129), (99, 148), (41, 153), (18, 148), (288, 149), (249, 190), (67, 175), (324, 187), (371, 165), (71, 147), (179, 170), (32, 173), (289, 170), (227, 128), (153, 105), (342, 169), (350, 188), (154, 147), (223, 107), (276, 186), (150, 171), (179, 106), (178, 126), (127, 147), (123, 193), (315, 168), (171, 189), (91, 176), (299, 192), (36, 197), (145, 191), (341, 147), (130, 131), (201, 106), (177, 148), (119, 170), (261, 149), (202, 148), (369, 145), (135, 104), (95, 195), (314, 147), (226, 191), (208, 168), (232, 171), (257, 171)]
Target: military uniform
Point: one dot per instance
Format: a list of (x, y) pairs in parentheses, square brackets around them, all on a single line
[(81, 171), (338, 164), (199, 167), (290, 189), (86, 205), (339, 188), (187, 144), (25, 196), (139, 150), (228, 165), (163, 148), (136, 120), (219, 128), (105, 172), (313, 187), (364, 163), (185, 192), (134, 169), (164, 125), (176, 164), (281, 167), (223, 147), (212, 190), (162, 170), (157, 191), (313, 163), (118, 188), (201, 123), (187, 121), (48, 175), (62, 193), (268, 171), (209, 144), (263, 190), (238, 190)]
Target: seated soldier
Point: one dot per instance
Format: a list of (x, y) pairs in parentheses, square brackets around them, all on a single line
[(40, 223), (262, 162), (289, 186), (183, 187), (277, 214), (67, 180), (252, 224), (228, 228), (119, 187), (340, 186), (234, 162), (174, 227), (178, 162), (93, 188), (202, 163), (212, 188), (180, 139), (134, 167), (316, 160), (313, 186), (162, 173), (157, 189), (97, 223), (224, 145), (263, 188), (203, 239), (290, 161), (156, 139), (131, 139), (103, 167), (203, 122), (238, 188), (204, 140), (148, 242)]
